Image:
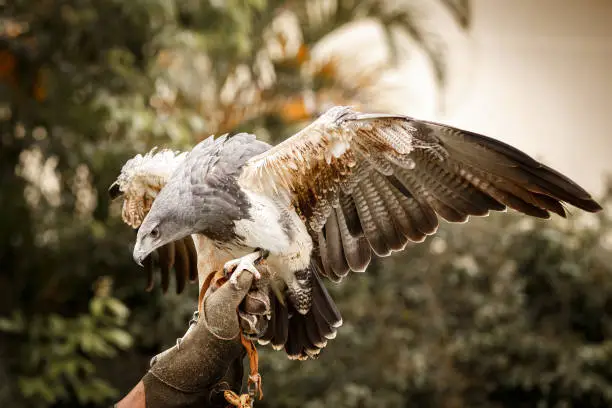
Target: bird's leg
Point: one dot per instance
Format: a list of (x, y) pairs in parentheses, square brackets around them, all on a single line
[(246, 263)]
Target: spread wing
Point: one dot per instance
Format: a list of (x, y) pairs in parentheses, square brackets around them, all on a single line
[(367, 182)]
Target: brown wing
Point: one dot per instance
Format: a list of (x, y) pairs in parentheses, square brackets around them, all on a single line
[(374, 182)]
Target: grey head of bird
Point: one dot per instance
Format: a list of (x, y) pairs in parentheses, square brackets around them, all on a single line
[(171, 218)]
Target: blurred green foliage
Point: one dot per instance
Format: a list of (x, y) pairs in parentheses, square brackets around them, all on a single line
[(58, 352), (503, 311)]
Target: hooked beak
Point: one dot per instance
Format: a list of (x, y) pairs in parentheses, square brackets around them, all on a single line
[(114, 192), (139, 254)]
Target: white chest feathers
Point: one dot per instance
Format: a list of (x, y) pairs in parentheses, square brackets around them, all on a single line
[(263, 228), (275, 228)]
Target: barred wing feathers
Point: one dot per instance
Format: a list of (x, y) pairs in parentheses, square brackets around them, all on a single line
[(367, 182)]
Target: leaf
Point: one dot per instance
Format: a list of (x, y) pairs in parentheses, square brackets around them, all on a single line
[(94, 345), (117, 308), (36, 387), (86, 366), (57, 325), (14, 324), (95, 391), (102, 390), (67, 367), (120, 338), (96, 306)]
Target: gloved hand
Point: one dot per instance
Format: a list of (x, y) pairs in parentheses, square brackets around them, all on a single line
[(208, 361)]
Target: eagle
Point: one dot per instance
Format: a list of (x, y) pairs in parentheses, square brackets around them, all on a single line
[(324, 202)]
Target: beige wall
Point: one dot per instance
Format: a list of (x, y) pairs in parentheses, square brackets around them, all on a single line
[(540, 78)]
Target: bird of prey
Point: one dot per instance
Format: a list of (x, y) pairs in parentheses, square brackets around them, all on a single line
[(348, 186)]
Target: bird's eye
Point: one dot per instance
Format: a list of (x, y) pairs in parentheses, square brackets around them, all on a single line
[(155, 233)]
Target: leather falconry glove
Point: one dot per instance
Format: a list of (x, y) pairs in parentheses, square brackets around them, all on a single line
[(208, 362)]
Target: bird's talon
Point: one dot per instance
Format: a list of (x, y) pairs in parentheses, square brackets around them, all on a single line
[(241, 268), (236, 266), (229, 268)]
